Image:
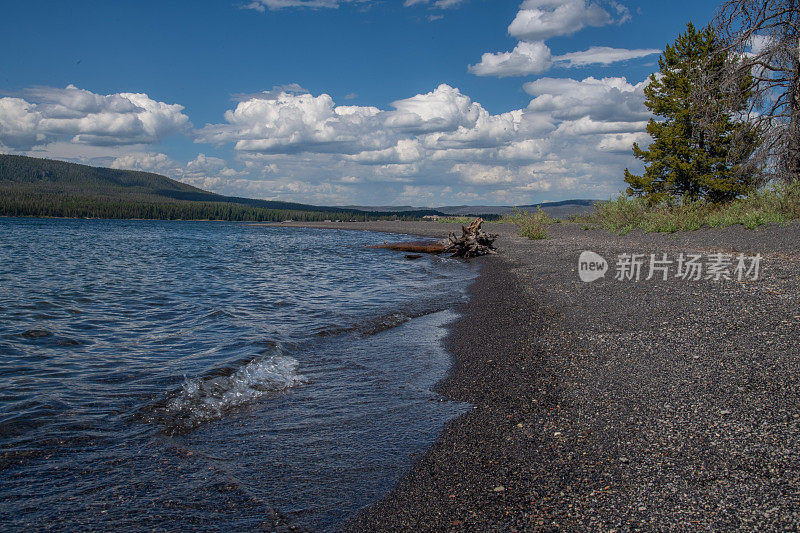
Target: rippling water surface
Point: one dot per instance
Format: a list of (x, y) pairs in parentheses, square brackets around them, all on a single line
[(212, 375)]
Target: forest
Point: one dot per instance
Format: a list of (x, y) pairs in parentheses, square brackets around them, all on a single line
[(32, 187)]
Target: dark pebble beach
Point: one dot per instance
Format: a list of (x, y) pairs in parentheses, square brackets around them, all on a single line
[(614, 405)]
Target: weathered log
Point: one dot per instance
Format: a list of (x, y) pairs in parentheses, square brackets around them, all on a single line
[(472, 242), (417, 247)]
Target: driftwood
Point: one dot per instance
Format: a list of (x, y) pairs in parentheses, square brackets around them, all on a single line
[(417, 247), (472, 242)]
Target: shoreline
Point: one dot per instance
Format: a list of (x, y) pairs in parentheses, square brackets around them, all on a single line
[(614, 404), (399, 227)]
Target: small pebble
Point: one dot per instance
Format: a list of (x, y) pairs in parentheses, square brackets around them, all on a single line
[(499, 488)]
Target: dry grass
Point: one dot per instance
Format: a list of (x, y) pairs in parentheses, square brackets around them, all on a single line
[(623, 214), (532, 225)]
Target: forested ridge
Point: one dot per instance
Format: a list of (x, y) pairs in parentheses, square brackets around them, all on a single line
[(48, 188)]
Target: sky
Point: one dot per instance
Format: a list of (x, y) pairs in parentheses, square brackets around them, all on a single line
[(342, 102)]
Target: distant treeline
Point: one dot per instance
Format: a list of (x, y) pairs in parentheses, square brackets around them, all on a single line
[(31, 187), (16, 203)]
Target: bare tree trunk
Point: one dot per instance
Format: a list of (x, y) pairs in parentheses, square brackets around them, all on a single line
[(775, 69), (793, 149)]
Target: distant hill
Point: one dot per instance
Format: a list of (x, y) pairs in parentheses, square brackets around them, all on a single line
[(560, 209), (45, 187)]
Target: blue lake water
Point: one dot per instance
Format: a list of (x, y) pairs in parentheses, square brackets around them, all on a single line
[(162, 375)]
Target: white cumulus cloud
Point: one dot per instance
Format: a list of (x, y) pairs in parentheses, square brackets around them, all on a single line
[(570, 140), (405, 151), (146, 162), (587, 126), (622, 142), (539, 20), (478, 174), (263, 5), (605, 99), (443, 109), (304, 123), (526, 58), (292, 122), (205, 172), (48, 115)]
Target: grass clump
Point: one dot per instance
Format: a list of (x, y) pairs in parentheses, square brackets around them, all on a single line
[(532, 225), (778, 204), (464, 221)]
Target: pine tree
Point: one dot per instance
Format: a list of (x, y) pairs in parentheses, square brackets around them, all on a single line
[(692, 157)]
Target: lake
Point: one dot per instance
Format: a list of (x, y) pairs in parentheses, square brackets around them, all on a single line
[(162, 375)]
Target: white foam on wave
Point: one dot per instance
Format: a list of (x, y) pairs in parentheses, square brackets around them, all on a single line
[(203, 399)]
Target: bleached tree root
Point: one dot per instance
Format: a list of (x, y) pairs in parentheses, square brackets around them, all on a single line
[(472, 242)]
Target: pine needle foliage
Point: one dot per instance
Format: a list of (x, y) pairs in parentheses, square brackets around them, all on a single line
[(691, 157)]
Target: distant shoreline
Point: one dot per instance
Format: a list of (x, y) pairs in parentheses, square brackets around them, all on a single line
[(401, 227), (129, 219)]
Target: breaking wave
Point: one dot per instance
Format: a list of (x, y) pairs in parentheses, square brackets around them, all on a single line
[(203, 399)]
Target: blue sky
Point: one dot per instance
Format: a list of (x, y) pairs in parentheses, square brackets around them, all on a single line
[(422, 102)]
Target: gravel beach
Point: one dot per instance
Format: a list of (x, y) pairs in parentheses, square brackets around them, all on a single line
[(614, 405)]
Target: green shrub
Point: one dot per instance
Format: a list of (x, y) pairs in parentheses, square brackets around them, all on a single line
[(464, 221), (623, 214), (531, 225)]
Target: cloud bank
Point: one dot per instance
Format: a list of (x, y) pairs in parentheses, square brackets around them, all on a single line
[(46, 115), (441, 146), (574, 137)]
